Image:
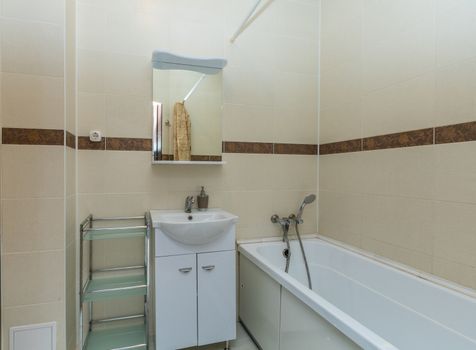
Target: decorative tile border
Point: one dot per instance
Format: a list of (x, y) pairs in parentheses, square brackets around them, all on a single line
[(85, 144), (248, 147), (70, 140), (341, 147), (195, 158), (463, 132), (20, 136), (456, 133), (268, 148), (128, 144), (398, 140), (199, 158), (288, 148)]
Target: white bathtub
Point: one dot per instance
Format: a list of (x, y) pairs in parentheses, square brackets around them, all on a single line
[(356, 302)]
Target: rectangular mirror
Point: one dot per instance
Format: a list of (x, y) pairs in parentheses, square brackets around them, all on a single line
[(188, 108)]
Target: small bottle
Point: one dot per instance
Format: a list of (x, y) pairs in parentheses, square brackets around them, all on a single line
[(202, 200)]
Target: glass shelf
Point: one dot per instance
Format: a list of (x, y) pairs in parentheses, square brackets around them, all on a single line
[(114, 233), (132, 337), (115, 287)]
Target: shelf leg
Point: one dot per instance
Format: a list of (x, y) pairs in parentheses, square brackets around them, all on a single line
[(227, 345)]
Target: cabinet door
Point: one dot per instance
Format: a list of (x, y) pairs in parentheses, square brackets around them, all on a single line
[(176, 302), (216, 297)]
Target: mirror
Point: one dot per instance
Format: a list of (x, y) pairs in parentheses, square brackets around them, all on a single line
[(188, 104)]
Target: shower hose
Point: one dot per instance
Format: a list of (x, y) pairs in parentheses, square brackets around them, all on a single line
[(303, 255)]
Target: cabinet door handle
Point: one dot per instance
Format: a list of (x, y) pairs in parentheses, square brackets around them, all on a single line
[(185, 269), (208, 267)]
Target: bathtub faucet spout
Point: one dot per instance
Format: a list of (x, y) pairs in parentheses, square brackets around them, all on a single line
[(285, 223)]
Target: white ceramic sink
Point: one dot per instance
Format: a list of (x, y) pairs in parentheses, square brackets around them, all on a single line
[(194, 228)]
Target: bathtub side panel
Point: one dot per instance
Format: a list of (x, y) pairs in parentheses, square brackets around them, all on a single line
[(303, 328), (259, 304)]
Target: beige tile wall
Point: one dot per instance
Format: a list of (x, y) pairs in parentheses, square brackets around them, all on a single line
[(387, 67), (33, 178), (269, 96)]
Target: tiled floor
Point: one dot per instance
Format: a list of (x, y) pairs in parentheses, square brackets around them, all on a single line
[(242, 342)]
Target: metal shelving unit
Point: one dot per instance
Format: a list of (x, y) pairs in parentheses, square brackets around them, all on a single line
[(97, 287)]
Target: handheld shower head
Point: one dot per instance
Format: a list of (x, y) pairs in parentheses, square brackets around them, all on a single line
[(307, 200)]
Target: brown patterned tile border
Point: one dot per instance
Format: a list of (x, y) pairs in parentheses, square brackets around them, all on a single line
[(128, 144), (402, 139), (85, 143), (196, 158), (205, 158), (20, 136), (341, 147), (167, 157), (70, 140), (248, 147), (288, 148), (462, 132), (456, 133)]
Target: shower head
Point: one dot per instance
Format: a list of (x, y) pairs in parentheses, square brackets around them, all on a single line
[(307, 200)]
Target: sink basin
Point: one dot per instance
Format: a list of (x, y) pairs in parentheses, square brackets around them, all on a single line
[(194, 228)]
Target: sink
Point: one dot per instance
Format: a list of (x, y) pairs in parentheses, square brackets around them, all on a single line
[(195, 228)]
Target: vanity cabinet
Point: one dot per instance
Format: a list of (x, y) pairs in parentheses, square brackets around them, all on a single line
[(195, 287), (195, 299), (176, 301), (216, 284)]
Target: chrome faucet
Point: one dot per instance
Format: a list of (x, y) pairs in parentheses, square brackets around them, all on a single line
[(189, 204), (285, 223)]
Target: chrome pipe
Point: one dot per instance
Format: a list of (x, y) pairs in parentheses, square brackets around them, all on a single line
[(85, 221), (119, 218), (148, 222), (125, 268), (121, 228), (118, 289), (120, 318)]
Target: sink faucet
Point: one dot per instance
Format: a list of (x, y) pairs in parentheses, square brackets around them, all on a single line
[(189, 204)]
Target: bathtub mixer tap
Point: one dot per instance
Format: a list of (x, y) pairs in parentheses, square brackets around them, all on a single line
[(285, 224)]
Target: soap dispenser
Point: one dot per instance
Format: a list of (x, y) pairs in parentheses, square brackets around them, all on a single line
[(202, 200)]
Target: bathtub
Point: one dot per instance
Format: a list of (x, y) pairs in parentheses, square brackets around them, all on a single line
[(357, 302)]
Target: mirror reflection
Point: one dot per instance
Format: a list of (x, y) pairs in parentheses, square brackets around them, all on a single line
[(187, 115)]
